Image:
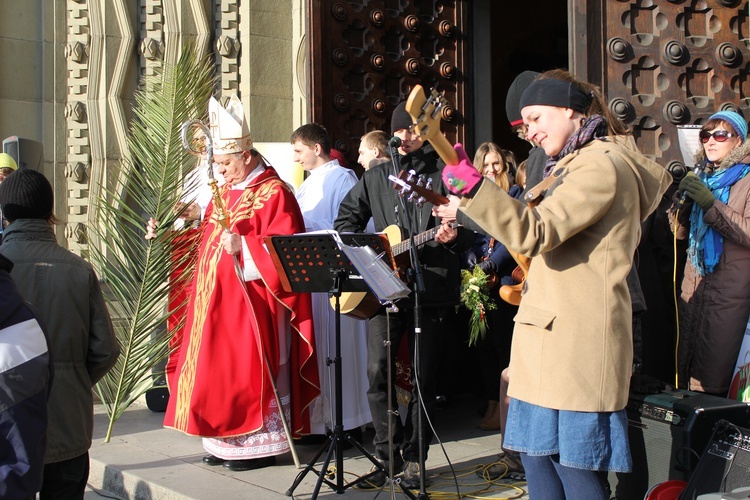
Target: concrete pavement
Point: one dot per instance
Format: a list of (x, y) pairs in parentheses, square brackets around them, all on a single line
[(145, 461)]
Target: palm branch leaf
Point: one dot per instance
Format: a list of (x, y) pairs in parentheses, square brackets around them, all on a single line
[(137, 273)]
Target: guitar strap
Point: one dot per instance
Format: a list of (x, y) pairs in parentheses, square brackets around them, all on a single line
[(490, 246), (535, 194)]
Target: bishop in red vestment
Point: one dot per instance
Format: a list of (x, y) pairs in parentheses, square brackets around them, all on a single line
[(219, 386)]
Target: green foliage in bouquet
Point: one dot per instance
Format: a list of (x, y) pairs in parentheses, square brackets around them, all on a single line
[(475, 297)]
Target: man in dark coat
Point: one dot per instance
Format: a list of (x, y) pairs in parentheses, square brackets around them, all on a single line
[(374, 196)]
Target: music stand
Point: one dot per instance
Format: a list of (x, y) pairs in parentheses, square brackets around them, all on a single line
[(321, 262)]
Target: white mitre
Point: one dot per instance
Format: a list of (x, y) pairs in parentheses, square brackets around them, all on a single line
[(229, 129)]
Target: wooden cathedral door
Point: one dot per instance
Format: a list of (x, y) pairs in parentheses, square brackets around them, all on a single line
[(366, 56), (664, 63)]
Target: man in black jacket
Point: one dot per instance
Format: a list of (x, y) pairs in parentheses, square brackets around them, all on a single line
[(374, 196)]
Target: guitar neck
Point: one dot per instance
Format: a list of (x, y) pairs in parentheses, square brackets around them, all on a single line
[(419, 240), (444, 149)]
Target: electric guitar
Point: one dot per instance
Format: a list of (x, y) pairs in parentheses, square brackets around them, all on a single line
[(426, 115)]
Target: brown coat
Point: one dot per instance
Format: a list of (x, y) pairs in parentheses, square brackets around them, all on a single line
[(714, 308), (572, 343)]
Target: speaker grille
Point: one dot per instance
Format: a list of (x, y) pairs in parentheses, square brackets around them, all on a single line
[(667, 433), (724, 465)]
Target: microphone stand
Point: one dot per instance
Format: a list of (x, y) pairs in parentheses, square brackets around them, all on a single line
[(417, 280), (418, 284)]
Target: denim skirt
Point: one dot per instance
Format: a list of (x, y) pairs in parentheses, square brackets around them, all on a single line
[(584, 440)]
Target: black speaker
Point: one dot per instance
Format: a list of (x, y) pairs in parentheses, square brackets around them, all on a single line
[(724, 465), (667, 433), (26, 152)]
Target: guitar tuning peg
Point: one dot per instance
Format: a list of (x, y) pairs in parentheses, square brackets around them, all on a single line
[(421, 180), (410, 178), (413, 197), (421, 201), (429, 184), (438, 107), (404, 190)]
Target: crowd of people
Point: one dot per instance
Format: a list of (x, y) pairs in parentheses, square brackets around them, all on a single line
[(555, 367)]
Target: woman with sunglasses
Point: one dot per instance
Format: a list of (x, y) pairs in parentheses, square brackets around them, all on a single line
[(715, 299), (572, 350)]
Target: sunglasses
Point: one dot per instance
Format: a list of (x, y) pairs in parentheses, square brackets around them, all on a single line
[(719, 135)]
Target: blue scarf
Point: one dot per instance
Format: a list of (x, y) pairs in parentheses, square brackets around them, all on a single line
[(706, 243)]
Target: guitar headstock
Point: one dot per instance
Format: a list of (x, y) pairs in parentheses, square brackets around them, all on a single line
[(425, 112), (419, 191)]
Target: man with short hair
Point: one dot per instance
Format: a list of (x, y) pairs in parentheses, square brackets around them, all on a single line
[(241, 325), (373, 149), (319, 197)]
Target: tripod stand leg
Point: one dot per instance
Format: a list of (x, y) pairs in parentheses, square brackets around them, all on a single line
[(310, 467), (324, 469), (379, 465)]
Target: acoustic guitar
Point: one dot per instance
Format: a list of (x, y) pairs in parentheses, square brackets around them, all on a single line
[(364, 305), (512, 293)]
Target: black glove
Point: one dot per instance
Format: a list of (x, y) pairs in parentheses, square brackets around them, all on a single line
[(471, 259), (487, 266)]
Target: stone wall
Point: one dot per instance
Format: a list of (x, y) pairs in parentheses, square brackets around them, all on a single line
[(70, 68)]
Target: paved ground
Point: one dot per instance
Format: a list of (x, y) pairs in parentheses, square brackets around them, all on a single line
[(145, 461)]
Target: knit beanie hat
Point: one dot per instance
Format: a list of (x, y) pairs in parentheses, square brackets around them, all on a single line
[(558, 93), (26, 194), (513, 99), (735, 120), (7, 160), (400, 119)]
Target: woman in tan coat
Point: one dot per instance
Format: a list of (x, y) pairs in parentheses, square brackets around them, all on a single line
[(715, 300), (572, 345)]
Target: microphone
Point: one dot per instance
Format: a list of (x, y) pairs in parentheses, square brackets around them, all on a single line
[(395, 142), (696, 170)]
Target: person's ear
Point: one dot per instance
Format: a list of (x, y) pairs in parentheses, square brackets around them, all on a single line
[(318, 149)]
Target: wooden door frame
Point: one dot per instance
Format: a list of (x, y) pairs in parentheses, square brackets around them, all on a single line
[(585, 30)]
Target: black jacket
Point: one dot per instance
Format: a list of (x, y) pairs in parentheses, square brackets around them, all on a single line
[(374, 196), (25, 375)]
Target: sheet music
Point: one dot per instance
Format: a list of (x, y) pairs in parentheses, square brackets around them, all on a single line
[(382, 280)]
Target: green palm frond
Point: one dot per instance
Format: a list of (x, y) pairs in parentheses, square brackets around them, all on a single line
[(137, 273)]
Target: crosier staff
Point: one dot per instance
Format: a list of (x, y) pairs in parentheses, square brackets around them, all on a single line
[(223, 219)]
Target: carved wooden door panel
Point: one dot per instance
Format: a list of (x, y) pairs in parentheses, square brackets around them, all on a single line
[(366, 55), (668, 63)]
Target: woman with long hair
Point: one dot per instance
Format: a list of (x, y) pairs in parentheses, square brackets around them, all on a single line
[(493, 349), (495, 163), (572, 351)]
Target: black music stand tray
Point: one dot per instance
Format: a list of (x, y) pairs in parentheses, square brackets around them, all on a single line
[(321, 262)]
